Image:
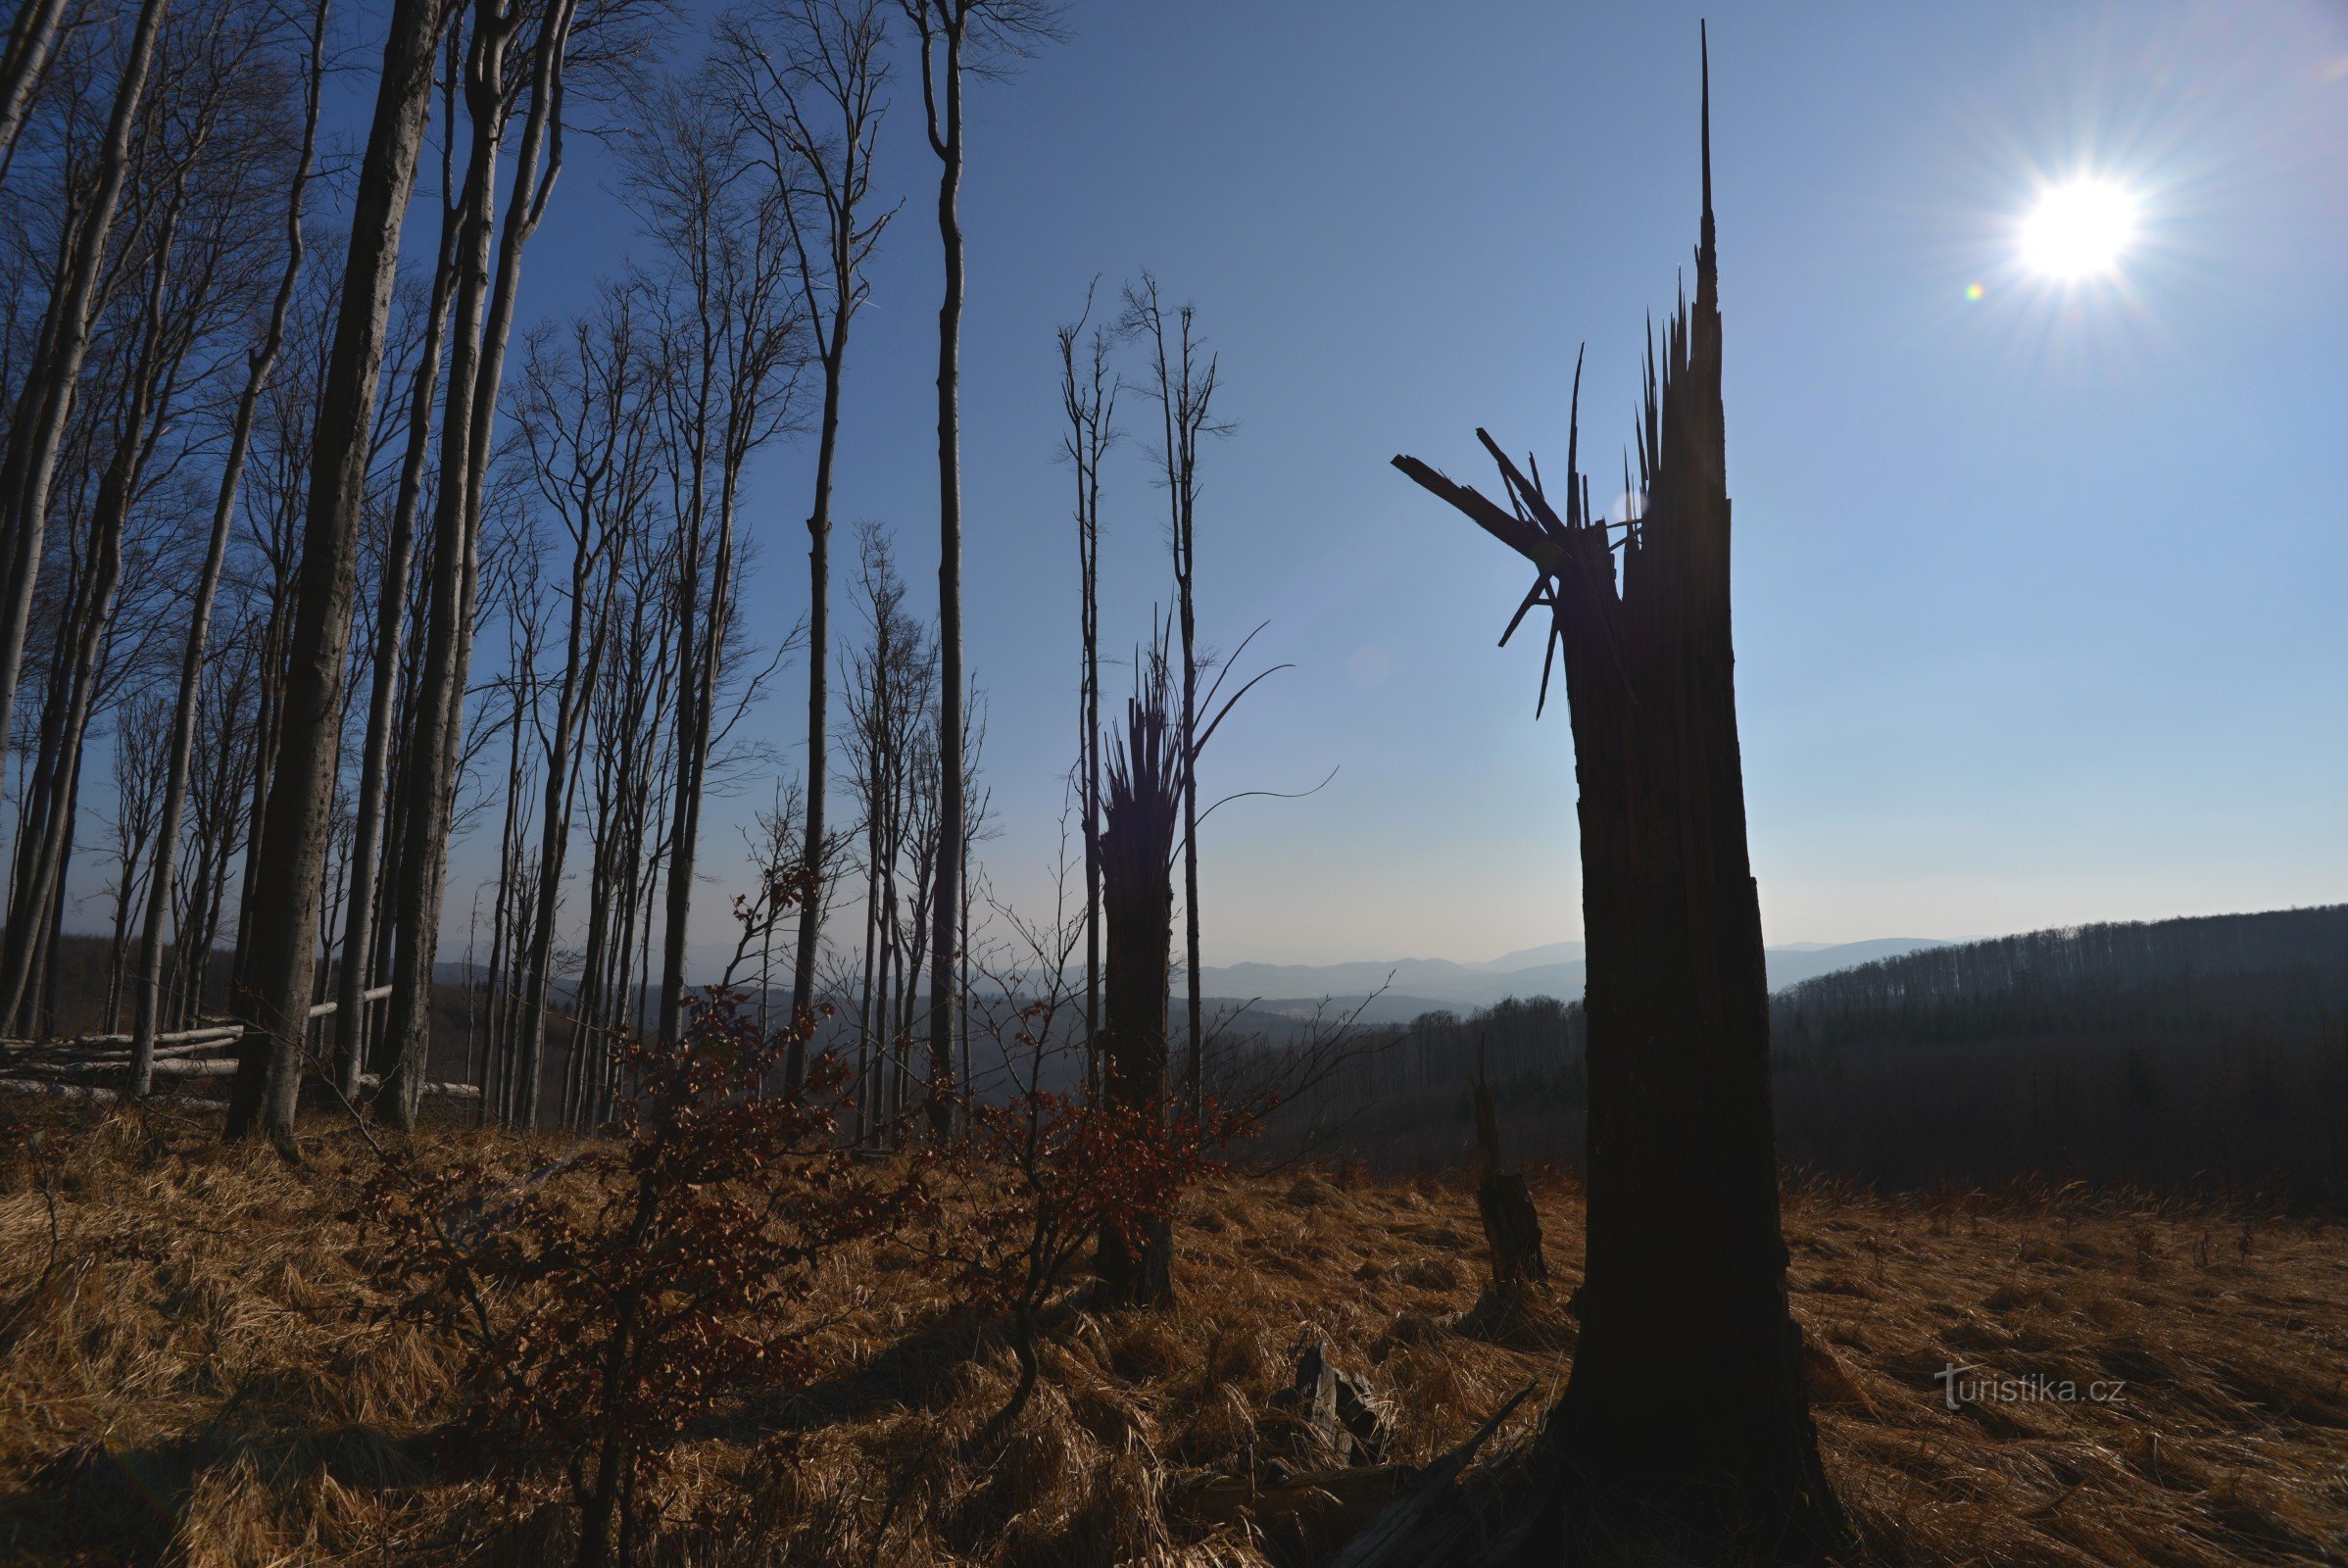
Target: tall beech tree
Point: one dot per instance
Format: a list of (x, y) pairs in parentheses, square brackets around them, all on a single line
[(193, 245), (361, 923), (31, 40), (732, 336), (279, 967), (807, 80), (1689, 1395), (955, 39), (262, 364), (588, 439), (1089, 397), (45, 405), (485, 302)]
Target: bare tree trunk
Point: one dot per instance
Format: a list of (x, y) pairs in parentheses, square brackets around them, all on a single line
[(47, 401), (945, 81), (29, 43), (33, 906), (1090, 406), (554, 836), (829, 50), (1689, 1399), (1137, 850), (819, 536), (281, 928), (368, 860), (1185, 394), (470, 413), (263, 366)]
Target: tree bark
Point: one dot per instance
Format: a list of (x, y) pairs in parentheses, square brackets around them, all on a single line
[(281, 928)]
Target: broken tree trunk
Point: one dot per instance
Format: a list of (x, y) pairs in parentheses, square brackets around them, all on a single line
[(1688, 1407), (1137, 894), (1511, 1224)]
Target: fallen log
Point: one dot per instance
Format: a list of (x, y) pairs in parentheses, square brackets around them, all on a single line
[(66, 1089), (444, 1091), (92, 1095), (227, 1031), (181, 1067)]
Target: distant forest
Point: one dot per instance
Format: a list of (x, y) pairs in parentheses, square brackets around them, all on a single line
[(2207, 1054)]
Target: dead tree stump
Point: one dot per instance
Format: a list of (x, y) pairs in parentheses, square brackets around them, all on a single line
[(1511, 1224)]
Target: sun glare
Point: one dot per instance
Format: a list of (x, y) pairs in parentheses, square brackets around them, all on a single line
[(2079, 230)]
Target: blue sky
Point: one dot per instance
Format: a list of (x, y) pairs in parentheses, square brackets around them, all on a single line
[(2037, 594)]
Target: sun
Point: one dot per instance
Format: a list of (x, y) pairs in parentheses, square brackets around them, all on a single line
[(2079, 229)]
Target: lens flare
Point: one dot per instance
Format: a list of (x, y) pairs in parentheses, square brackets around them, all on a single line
[(2079, 230)]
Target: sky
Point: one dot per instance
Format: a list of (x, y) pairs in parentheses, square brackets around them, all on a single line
[(2037, 584)]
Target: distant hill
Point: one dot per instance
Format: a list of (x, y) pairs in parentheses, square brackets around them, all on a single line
[(2204, 1054), (1559, 969), (2281, 966)]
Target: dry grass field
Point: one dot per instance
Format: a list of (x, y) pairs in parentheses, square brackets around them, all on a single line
[(195, 1368)]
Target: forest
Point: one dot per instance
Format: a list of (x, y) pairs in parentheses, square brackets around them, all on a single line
[(392, 1170), (2194, 1055)]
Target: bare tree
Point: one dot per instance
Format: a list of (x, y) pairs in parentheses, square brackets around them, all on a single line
[(262, 364), (890, 690), (140, 743), (46, 403), (486, 296), (587, 436), (281, 928), (187, 246), (731, 330), (806, 77), (1090, 399), (1184, 389), (958, 39), (31, 40)]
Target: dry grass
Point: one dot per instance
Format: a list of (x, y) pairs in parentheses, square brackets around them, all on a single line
[(202, 1374)]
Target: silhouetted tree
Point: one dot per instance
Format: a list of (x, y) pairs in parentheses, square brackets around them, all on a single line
[(1689, 1392), (956, 37), (31, 40), (806, 78), (1090, 399), (1141, 818), (1184, 390)]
